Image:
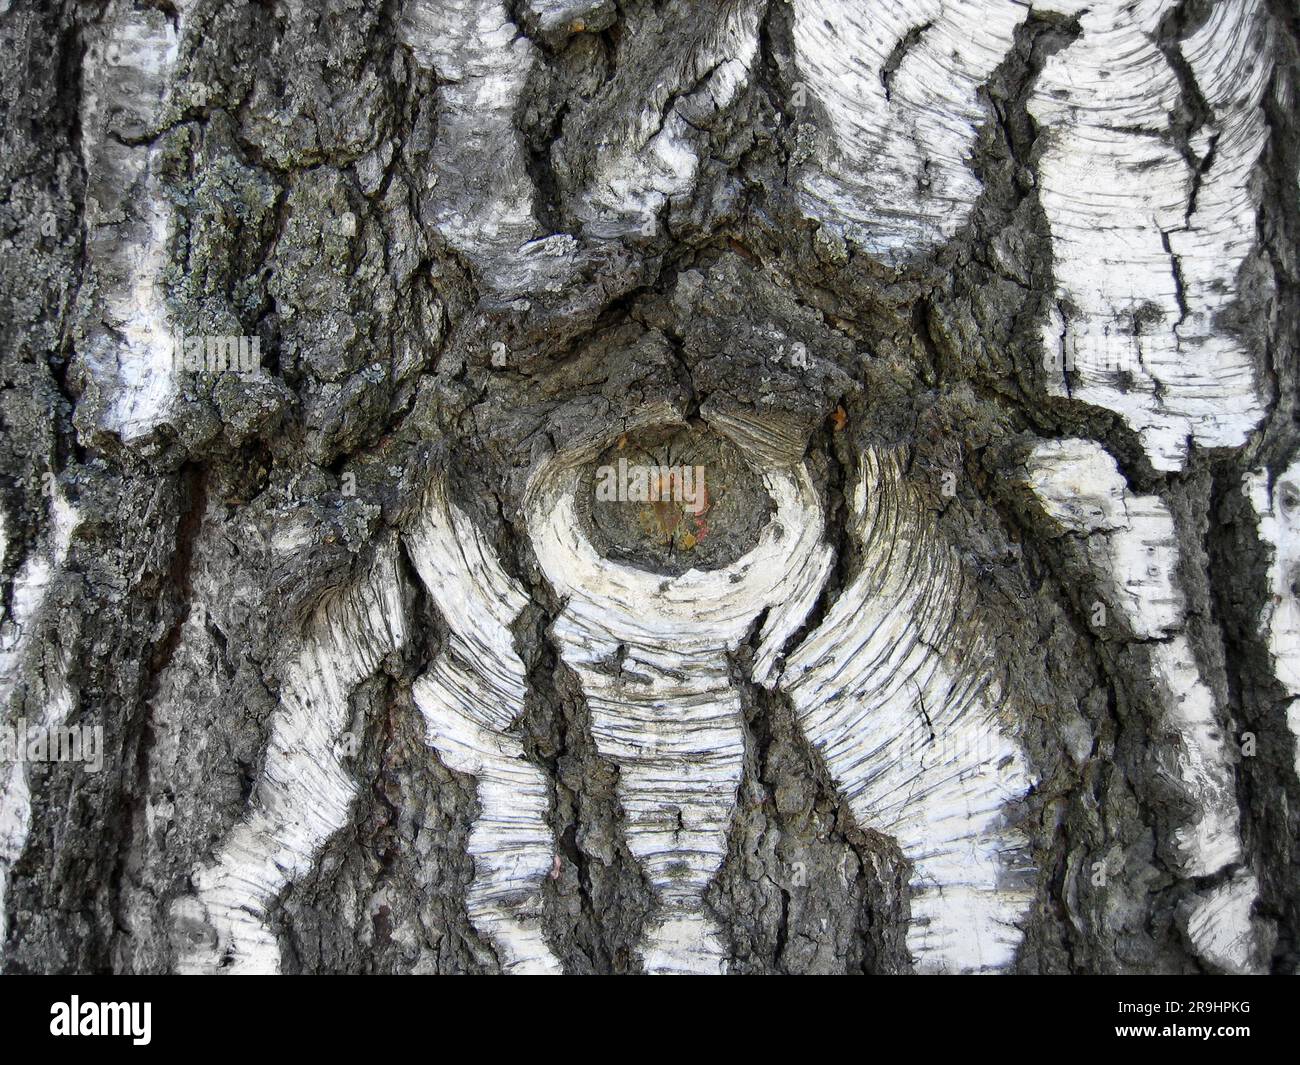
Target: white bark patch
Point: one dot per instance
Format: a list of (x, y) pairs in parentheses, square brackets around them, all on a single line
[(1131, 543), (49, 704), (651, 653), (1147, 241), (1220, 927), (898, 83), (654, 159), (893, 691), (484, 202), (127, 72), (1278, 509), (471, 698), (305, 789), (1079, 485)]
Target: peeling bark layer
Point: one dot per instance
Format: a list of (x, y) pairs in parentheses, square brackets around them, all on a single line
[(1154, 136)]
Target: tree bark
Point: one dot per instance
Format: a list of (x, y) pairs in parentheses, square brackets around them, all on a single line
[(607, 486)]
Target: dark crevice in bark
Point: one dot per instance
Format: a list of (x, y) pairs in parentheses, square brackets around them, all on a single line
[(1193, 111), (1257, 703), (191, 505), (894, 60), (787, 794), (613, 896), (776, 45), (1009, 202), (429, 629)]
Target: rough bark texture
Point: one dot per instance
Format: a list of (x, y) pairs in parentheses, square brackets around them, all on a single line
[(983, 321)]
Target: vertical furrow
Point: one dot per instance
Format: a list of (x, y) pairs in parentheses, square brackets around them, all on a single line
[(472, 697), (891, 690), (305, 791)]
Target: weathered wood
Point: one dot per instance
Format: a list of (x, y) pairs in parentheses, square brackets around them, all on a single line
[(973, 648)]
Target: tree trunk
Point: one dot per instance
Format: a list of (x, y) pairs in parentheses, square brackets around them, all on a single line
[(602, 486)]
